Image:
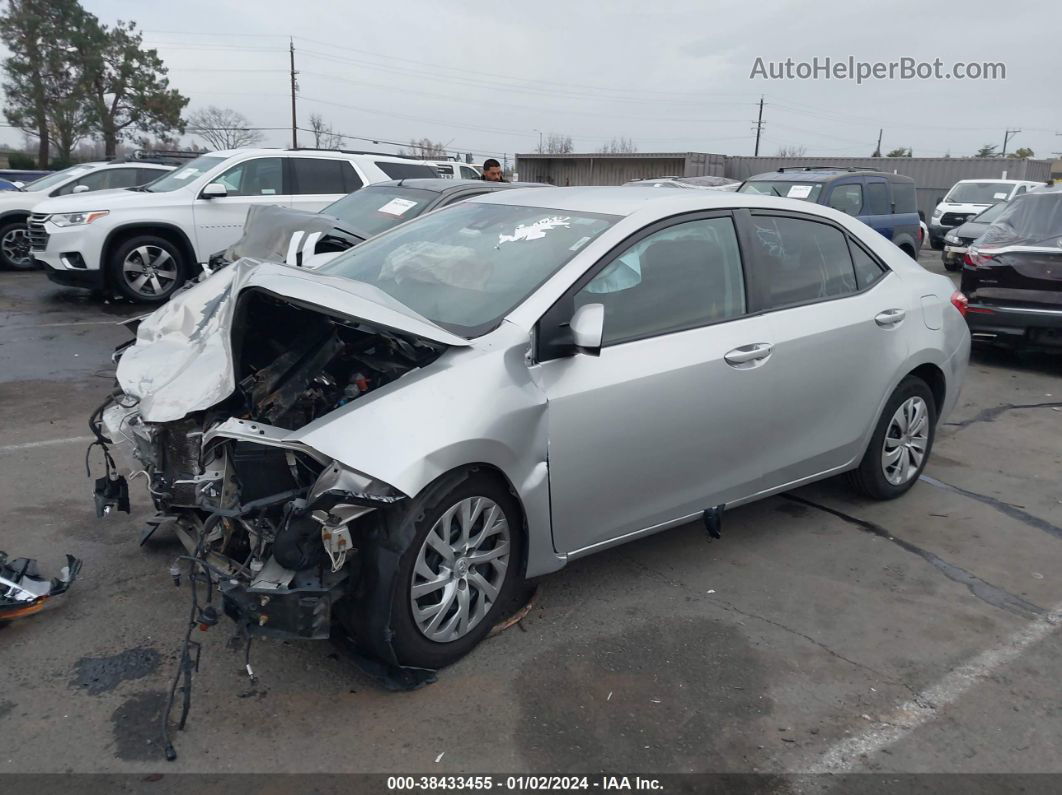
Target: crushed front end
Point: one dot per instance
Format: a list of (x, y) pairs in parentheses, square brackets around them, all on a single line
[(270, 523)]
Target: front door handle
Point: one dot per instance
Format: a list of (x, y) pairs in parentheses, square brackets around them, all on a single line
[(889, 318), (746, 354)]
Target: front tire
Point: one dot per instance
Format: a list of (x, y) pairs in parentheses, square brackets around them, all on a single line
[(15, 247), (451, 577), (901, 444), (147, 269), (936, 243), (952, 264)]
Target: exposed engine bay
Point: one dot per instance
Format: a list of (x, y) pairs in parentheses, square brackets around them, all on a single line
[(273, 524)]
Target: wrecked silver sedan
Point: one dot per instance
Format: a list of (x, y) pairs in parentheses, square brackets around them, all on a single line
[(398, 440)]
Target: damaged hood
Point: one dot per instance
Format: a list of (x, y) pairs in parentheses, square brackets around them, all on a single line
[(182, 360)]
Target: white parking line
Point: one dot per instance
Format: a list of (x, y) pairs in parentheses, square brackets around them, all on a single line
[(10, 448), (849, 754)]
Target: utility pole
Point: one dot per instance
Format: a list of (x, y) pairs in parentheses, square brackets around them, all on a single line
[(759, 128), (1006, 136), (294, 123), (877, 151)]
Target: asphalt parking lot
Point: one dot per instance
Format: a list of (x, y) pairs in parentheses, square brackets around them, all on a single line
[(822, 633)]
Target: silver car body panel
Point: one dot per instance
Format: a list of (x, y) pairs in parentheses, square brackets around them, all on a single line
[(641, 438)]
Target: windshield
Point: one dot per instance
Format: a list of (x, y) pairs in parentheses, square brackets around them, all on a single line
[(979, 192), (369, 211), (185, 174), (467, 266), (51, 180), (784, 188), (991, 214)]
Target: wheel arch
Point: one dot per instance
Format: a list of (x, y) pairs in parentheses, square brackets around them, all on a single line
[(935, 379), (170, 232), (14, 215)]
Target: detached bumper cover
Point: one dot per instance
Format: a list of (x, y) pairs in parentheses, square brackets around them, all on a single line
[(22, 589)]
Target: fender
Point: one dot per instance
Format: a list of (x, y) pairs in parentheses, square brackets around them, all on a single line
[(147, 226), (11, 215)]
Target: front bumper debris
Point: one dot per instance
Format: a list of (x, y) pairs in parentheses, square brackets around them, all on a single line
[(22, 589)]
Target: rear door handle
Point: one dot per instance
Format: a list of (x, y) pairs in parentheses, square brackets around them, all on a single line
[(890, 317), (748, 354)]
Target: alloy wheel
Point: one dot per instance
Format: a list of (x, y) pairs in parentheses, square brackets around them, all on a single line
[(149, 271), (16, 247), (460, 569), (906, 441)]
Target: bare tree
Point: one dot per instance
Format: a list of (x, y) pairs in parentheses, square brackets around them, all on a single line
[(792, 151), (556, 144), (223, 128), (621, 145), (426, 149), (900, 151), (324, 137)]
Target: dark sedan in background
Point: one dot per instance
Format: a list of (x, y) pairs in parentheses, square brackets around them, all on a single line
[(1012, 275), (962, 237)]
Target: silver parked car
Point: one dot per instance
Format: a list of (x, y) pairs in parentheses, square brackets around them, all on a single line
[(489, 391)]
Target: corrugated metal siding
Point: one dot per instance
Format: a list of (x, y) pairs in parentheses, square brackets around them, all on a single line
[(564, 171), (933, 176)]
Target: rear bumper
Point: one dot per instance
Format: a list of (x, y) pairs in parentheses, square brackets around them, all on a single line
[(71, 277), (1018, 325)]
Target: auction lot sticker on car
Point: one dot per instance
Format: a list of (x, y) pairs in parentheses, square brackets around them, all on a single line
[(799, 191), (397, 206)]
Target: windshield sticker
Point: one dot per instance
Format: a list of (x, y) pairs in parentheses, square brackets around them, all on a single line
[(799, 191), (186, 173), (534, 231), (397, 207), (999, 195), (578, 244), (77, 172)]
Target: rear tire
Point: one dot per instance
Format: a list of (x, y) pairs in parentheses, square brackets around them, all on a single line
[(897, 455), (14, 247), (147, 269)]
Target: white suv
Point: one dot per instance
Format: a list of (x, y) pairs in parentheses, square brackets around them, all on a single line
[(16, 205), (144, 243)]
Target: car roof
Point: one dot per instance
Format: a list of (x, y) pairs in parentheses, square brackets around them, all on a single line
[(626, 200), (993, 179), (825, 174), (446, 185), (329, 153)]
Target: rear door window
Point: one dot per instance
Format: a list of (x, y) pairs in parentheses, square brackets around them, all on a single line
[(877, 199), (867, 269), (798, 261), (903, 194)]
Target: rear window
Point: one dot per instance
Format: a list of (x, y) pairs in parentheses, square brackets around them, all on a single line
[(406, 170), (903, 194), (787, 189)]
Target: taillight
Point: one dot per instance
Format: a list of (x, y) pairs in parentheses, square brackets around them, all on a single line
[(973, 258), (960, 302)]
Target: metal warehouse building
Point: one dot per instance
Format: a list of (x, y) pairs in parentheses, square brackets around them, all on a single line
[(933, 176), (615, 169)]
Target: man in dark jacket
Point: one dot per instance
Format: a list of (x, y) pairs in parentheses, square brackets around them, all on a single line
[(492, 171)]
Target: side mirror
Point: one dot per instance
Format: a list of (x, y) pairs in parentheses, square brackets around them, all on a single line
[(940, 199), (19, 184), (588, 327), (80, 189), (215, 190)]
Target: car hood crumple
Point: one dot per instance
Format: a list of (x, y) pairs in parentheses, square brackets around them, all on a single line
[(182, 360)]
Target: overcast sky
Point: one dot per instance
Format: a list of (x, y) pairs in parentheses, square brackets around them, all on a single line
[(672, 75)]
